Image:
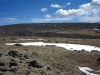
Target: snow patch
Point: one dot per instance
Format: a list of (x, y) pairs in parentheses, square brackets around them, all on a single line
[(87, 70), (27, 39), (72, 47)]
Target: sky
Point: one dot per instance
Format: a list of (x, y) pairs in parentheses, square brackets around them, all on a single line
[(49, 11)]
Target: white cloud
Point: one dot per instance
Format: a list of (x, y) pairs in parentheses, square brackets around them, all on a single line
[(7, 19), (95, 2), (94, 18), (48, 16), (70, 12), (44, 9), (11, 19), (68, 3), (92, 8), (59, 6), (55, 6)]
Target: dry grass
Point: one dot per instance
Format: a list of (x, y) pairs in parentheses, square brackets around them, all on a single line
[(81, 31)]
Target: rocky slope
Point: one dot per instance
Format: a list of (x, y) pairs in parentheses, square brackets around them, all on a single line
[(30, 29), (45, 60)]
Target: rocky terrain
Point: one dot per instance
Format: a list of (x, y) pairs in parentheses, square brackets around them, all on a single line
[(48, 60), (45, 60)]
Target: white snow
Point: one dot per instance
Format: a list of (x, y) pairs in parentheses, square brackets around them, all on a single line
[(87, 70), (27, 39), (24, 39), (40, 39), (96, 29), (72, 47)]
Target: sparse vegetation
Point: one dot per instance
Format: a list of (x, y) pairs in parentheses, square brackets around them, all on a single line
[(49, 60)]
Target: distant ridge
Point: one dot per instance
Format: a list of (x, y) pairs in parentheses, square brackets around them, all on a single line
[(29, 29)]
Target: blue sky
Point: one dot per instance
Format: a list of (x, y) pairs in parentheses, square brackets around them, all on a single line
[(44, 11)]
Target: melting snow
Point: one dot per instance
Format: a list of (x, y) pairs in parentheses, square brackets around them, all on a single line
[(27, 39), (86, 70), (40, 39), (24, 39), (72, 47)]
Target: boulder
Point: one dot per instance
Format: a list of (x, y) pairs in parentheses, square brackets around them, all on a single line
[(35, 64), (3, 68), (3, 62), (13, 63), (18, 44), (27, 56), (98, 60), (0, 54), (14, 54)]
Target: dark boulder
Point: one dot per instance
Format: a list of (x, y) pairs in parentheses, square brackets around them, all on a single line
[(98, 60), (13, 63), (35, 64), (1, 74), (3, 68), (14, 54), (94, 51), (18, 44), (3, 62), (27, 56), (0, 54), (49, 68)]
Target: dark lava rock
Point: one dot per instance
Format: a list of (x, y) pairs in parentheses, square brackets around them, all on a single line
[(13, 63), (49, 68), (3, 62), (98, 60), (27, 56), (35, 64), (94, 51), (14, 54), (18, 44), (22, 58), (3, 68), (0, 54)]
